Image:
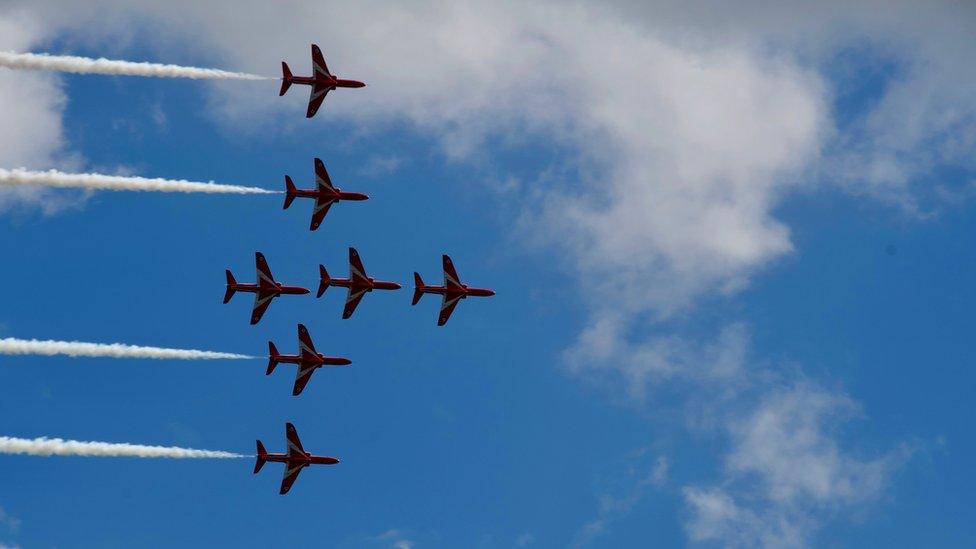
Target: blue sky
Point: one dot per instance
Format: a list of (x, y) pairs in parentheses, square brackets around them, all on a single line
[(714, 311)]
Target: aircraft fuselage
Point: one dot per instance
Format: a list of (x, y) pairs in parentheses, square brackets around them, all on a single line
[(368, 285), (332, 82), (307, 460), (463, 291), (317, 360), (278, 289), (338, 195)]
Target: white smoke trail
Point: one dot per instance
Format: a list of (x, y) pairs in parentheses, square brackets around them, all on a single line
[(14, 346), (54, 178), (87, 65), (59, 447)]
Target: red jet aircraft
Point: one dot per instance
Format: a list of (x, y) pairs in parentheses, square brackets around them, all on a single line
[(322, 81), (264, 290), (358, 283), (452, 290), (307, 359), (296, 458), (324, 194)]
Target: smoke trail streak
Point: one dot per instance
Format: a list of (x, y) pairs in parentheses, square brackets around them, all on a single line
[(59, 447), (87, 65), (54, 178), (14, 346)]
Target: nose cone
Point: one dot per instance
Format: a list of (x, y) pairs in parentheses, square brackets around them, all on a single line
[(343, 362), (491, 293), (302, 291), (357, 84), (396, 286)]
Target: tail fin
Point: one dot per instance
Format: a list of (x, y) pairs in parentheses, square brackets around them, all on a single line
[(323, 281), (418, 284), (290, 191), (272, 358), (230, 286), (262, 453), (285, 78)]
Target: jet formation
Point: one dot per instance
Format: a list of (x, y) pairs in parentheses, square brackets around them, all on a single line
[(359, 283)]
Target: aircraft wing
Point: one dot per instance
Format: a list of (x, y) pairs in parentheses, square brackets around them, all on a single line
[(291, 473), (352, 300), (318, 212), (447, 307), (261, 302), (292, 441), (315, 100), (356, 269), (302, 378), (264, 277), (451, 277), (322, 179), (304, 341), (319, 68)]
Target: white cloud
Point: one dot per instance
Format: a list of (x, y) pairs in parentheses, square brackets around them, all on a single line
[(786, 472), (789, 443), (604, 348), (31, 106)]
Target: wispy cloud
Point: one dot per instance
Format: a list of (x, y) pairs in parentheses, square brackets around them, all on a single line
[(10, 522), (395, 538), (380, 165), (641, 472)]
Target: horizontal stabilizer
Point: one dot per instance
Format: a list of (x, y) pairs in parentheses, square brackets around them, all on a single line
[(285, 78), (230, 286), (418, 290), (262, 453), (323, 281), (290, 191), (272, 358)]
